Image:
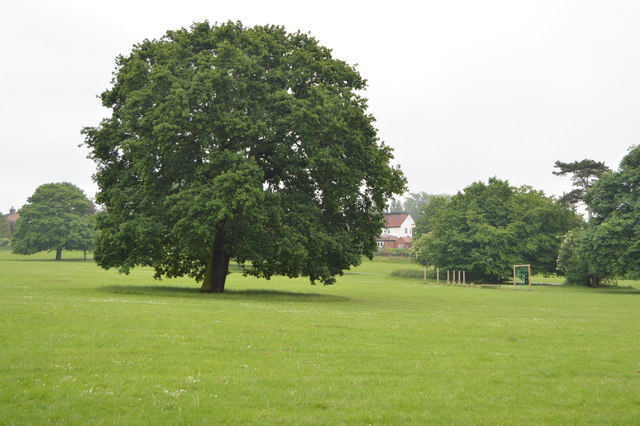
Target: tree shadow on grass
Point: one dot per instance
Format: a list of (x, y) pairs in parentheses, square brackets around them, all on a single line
[(619, 290), (63, 260), (192, 292)]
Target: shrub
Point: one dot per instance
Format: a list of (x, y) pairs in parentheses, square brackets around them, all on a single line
[(394, 252), (407, 273)]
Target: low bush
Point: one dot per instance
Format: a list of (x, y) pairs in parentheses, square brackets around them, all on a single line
[(394, 252), (407, 273)]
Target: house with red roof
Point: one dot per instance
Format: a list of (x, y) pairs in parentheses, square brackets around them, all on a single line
[(397, 232)]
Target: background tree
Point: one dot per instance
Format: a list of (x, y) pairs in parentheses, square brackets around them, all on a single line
[(56, 217), (487, 228), (428, 212), (610, 245), (583, 174), (231, 142), (394, 206), (415, 202), (585, 258), (5, 231)]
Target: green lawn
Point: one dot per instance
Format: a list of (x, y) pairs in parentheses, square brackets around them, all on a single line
[(81, 345)]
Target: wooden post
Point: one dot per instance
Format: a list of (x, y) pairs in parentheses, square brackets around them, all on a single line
[(438, 275), (447, 276), (464, 277)]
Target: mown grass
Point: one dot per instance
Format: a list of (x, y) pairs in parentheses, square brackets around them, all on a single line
[(82, 345)]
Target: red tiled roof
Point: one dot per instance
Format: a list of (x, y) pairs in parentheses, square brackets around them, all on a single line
[(395, 220)]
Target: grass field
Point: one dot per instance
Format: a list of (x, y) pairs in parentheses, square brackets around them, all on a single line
[(81, 345)]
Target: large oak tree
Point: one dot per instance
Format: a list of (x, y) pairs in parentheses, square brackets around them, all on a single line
[(233, 142)]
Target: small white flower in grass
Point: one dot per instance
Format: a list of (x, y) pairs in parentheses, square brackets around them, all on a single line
[(175, 393)]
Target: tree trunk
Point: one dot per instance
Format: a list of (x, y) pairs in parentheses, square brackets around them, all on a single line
[(217, 266), (58, 254)]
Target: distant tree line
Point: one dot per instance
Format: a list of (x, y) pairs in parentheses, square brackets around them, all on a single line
[(488, 227), (415, 203), (5, 231)]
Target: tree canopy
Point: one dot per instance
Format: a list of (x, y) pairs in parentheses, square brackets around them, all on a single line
[(584, 174), (246, 143), (5, 230), (609, 245), (58, 216), (428, 212), (487, 228), (394, 206)]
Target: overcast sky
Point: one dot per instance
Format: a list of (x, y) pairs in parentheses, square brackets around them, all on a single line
[(462, 89)]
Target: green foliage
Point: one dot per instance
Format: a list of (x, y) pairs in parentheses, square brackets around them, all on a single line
[(416, 202), (58, 216), (398, 252), (407, 273), (611, 243), (394, 206), (246, 143), (488, 228), (583, 259), (428, 212), (584, 174), (5, 229)]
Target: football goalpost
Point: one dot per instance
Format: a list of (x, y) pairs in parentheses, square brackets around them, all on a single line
[(521, 275)]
